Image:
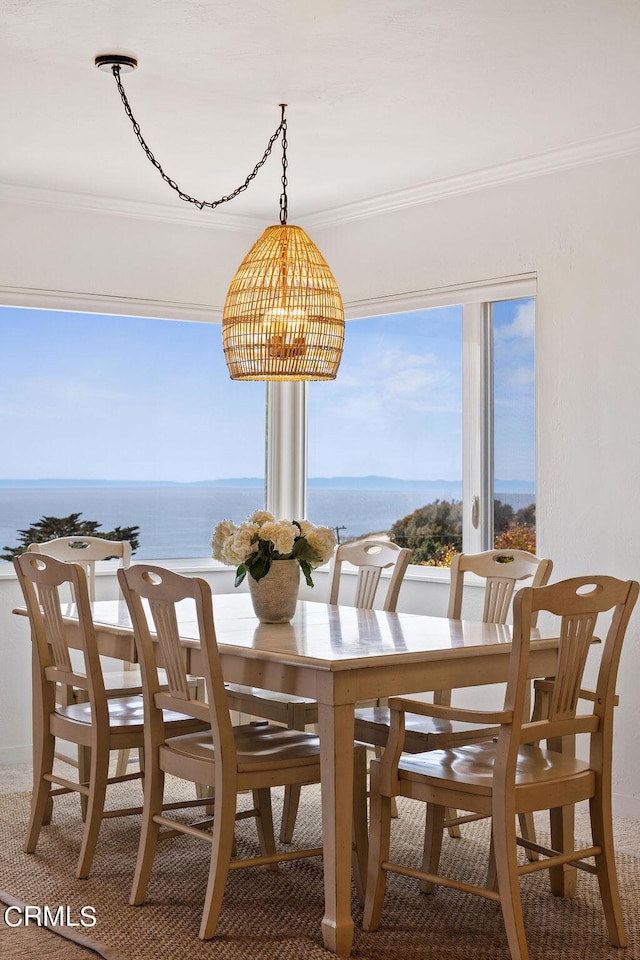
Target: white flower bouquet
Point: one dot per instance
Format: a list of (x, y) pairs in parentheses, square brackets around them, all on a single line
[(261, 539)]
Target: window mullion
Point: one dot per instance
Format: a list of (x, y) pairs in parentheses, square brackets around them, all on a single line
[(286, 449), (476, 417)]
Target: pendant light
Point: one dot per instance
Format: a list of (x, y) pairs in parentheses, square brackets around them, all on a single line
[(283, 317)]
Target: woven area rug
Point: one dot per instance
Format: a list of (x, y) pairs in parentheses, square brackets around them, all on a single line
[(277, 915)]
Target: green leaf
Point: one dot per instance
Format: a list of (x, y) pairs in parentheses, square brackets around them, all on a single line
[(258, 565), (241, 573), (306, 569), (303, 551)]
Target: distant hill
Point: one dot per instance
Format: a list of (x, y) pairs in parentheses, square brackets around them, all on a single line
[(437, 488)]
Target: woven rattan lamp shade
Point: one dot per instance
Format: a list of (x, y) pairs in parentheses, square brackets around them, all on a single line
[(283, 317)]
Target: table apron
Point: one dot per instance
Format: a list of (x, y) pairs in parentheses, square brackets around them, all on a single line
[(360, 682), (370, 682)]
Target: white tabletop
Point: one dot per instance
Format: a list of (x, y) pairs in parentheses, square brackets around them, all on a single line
[(338, 637)]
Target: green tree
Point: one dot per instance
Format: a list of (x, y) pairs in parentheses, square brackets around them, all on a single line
[(515, 532), (433, 533), (527, 515), (50, 528), (502, 515)]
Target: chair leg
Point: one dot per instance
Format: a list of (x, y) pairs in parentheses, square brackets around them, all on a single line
[(491, 882), (289, 812), (95, 809), (602, 833), (84, 776), (563, 879), (122, 762), (506, 858), (48, 813), (223, 825), (443, 697), (528, 832), (152, 806), (41, 803), (360, 831), (454, 829), (379, 841), (264, 823), (433, 830), (296, 717)]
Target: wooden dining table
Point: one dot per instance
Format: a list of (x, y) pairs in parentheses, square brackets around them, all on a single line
[(338, 656)]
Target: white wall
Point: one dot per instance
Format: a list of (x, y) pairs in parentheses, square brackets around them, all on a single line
[(579, 231)]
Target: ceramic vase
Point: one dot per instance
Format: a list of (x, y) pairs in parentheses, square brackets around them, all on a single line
[(275, 596)]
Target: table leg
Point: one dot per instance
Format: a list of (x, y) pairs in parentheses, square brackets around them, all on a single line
[(336, 729)]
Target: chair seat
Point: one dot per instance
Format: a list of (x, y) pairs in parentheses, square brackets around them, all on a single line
[(257, 746), (123, 712), (473, 766), (421, 733)]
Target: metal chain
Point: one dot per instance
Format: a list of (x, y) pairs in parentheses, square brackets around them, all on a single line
[(231, 196), (285, 164)]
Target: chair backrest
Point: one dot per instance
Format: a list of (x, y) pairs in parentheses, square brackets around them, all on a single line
[(162, 590), (371, 557), (578, 602), (501, 569), (41, 578), (86, 551)]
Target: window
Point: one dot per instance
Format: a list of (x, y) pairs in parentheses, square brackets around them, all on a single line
[(134, 421), (128, 421), (428, 434)]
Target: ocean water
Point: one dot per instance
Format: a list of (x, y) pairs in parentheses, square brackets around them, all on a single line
[(178, 521)]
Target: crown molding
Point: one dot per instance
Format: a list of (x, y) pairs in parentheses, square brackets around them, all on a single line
[(579, 154), (136, 209), (479, 291), (104, 303), (553, 161)]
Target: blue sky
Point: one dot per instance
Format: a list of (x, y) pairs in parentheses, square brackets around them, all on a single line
[(123, 398), (514, 389), (114, 397), (395, 408)]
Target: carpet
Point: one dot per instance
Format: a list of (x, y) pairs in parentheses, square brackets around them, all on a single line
[(276, 915)]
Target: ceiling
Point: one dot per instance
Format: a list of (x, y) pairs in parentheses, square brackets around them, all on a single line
[(389, 102)]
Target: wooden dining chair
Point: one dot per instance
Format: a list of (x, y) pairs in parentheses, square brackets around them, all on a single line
[(99, 722), (255, 756), (514, 774), (501, 571), (369, 558), (87, 551)]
